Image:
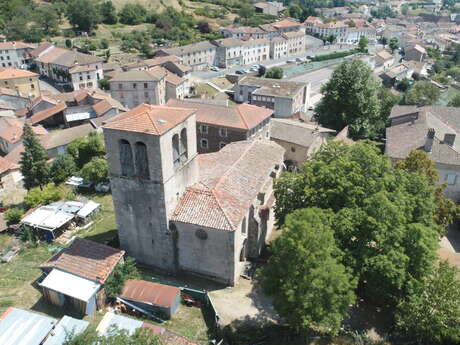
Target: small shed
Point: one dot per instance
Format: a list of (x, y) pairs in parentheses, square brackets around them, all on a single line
[(66, 326), (159, 299), (75, 276), (23, 327), (88, 210)]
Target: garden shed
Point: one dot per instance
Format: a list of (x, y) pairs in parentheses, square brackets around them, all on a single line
[(162, 300), (75, 276)]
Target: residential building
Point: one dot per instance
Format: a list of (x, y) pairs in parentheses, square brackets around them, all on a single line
[(296, 42), (179, 211), (384, 59), (69, 69), (14, 54), (333, 12), (299, 139), (135, 87), (244, 32), (229, 52), (11, 132), (397, 73), (432, 129), (10, 179), (13, 99), (415, 53), (71, 109), (278, 47), (199, 55), (354, 34), (219, 125), (24, 81), (273, 8), (75, 276), (349, 32), (288, 24), (256, 51), (284, 97)]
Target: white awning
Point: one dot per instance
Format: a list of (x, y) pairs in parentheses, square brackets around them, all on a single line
[(70, 285), (89, 208), (47, 218)]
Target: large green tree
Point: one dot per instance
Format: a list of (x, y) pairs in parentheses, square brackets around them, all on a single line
[(47, 18), (422, 93), (383, 217), (142, 336), (431, 314), (33, 162), (350, 98), (83, 14), (62, 168), (83, 149), (132, 14), (95, 170), (311, 288)]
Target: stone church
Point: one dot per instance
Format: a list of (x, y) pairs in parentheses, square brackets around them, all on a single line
[(180, 211)]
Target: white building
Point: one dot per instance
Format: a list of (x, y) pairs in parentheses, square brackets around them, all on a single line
[(14, 54)]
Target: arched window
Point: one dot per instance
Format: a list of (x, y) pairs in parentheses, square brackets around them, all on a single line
[(183, 145), (142, 162), (175, 147), (126, 158)]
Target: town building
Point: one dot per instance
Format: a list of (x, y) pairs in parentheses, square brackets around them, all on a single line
[(14, 54), (256, 51), (415, 53), (71, 108), (24, 81), (432, 129), (284, 97), (135, 87), (13, 99), (229, 52), (383, 60), (68, 69), (300, 140), (179, 211), (287, 25), (11, 133), (75, 276), (272, 8), (296, 42), (10, 179), (244, 32), (219, 125), (199, 55), (278, 47)]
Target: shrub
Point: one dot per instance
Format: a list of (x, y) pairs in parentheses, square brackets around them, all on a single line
[(13, 215), (122, 272), (104, 44), (47, 195), (96, 170), (275, 73), (333, 55)]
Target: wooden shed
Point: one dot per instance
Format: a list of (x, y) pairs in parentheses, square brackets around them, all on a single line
[(163, 300)]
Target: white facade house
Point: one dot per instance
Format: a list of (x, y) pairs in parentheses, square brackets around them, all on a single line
[(14, 54)]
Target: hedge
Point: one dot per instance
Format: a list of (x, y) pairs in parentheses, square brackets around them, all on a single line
[(334, 55)]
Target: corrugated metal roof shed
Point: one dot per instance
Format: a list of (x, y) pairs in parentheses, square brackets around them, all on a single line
[(151, 293), (70, 285), (21, 327), (67, 326), (89, 208)]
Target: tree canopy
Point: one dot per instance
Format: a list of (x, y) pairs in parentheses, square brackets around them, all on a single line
[(383, 217), (350, 98), (33, 162), (95, 170), (62, 168), (432, 313), (142, 336), (422, 93), (84, 15), (83, 149), (311, 288), (274, 73)]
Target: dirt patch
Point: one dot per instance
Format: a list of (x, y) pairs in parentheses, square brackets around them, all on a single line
[(246, 301)]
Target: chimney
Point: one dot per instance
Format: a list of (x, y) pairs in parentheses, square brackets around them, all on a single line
[(449, 139), (429, 140)]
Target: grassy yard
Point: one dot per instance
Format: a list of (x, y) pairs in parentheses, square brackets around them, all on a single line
[(17, 277)]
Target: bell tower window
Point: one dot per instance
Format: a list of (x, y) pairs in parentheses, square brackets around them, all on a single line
[(176, 152), (126, 158), (142, 163), (183, 146)]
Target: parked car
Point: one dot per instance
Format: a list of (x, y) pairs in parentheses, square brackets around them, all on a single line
[(240, 71), (215, 68), (102, 187), (290, 61), (254, 68)]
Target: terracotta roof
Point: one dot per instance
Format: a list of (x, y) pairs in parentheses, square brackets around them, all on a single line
[(103, 106), (12, 73), (139, 75), (67, 58), (6, 165), (78, 69), (15, 155), (157, 61), (10, 92), (44, 114), (151, 119), (273, 87), (87, 259), (64, 136), (384, 54), (14, 45), (242, 116), (230, 181), (285, 23), (13, 132), (40, 49), (295, 131), (151, 293), (419, 48), (174, 79)]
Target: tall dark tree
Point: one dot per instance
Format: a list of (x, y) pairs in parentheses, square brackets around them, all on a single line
[(350, 98), (33, 162), (383, 217), (311, 288), (108, 12), (83, 14)]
